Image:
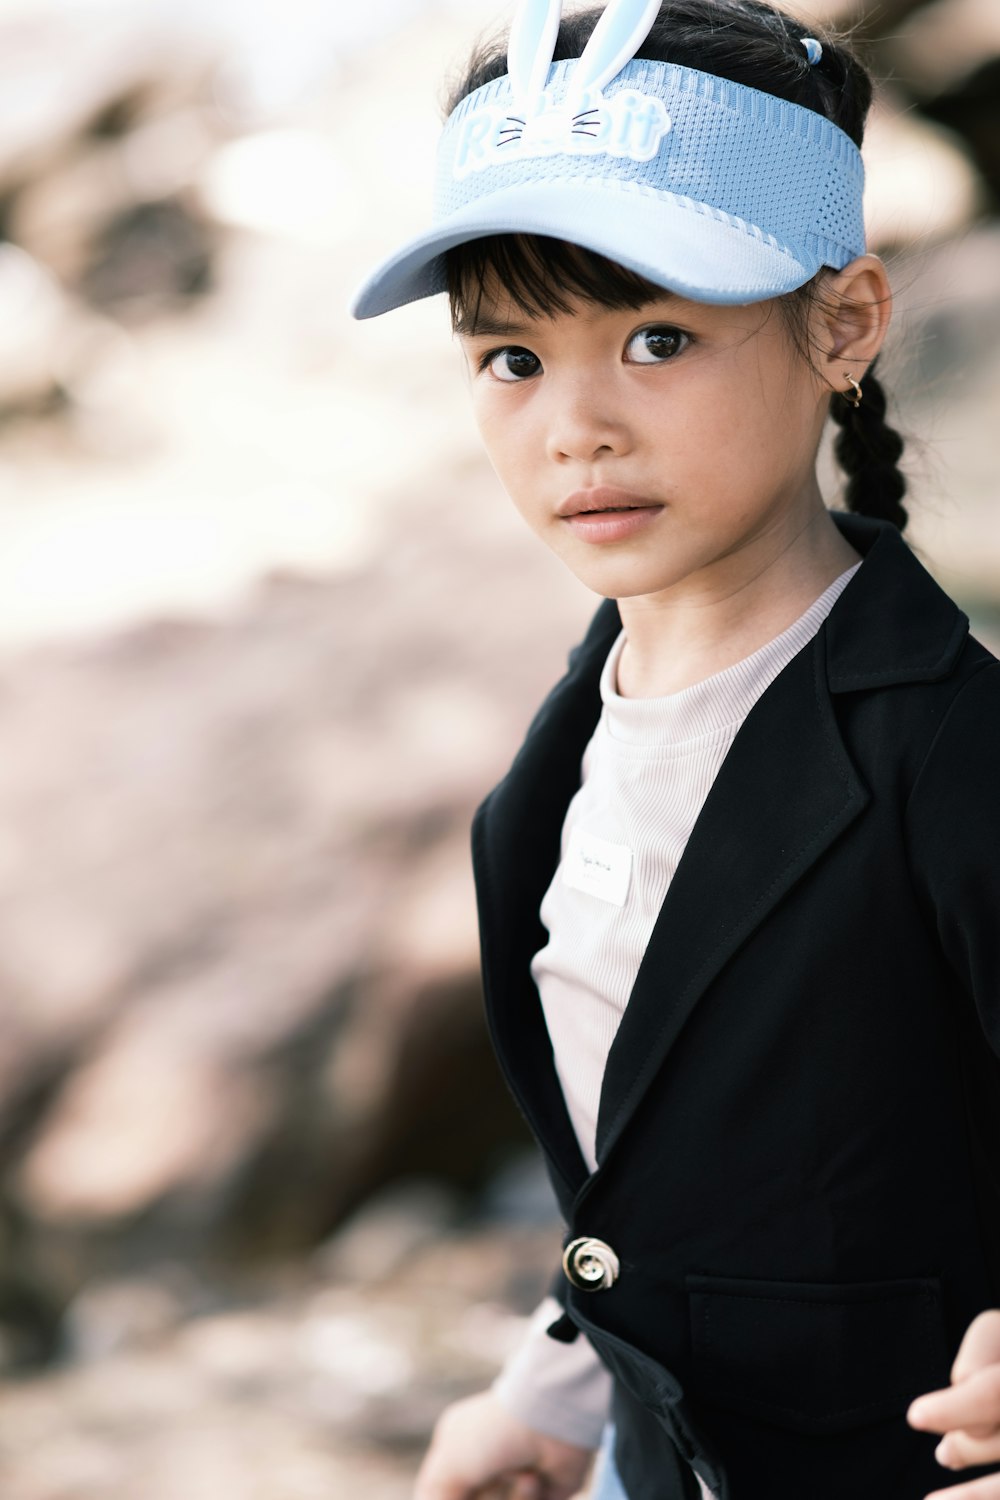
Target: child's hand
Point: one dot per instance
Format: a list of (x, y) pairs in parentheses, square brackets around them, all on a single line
[(968, 1411), (479, 1449)]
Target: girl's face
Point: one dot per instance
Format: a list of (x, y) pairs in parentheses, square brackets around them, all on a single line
[(661, 449)]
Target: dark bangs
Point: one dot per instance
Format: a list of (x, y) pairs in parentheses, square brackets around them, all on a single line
[(539, 275)]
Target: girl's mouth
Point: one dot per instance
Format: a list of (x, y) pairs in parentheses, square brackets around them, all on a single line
[(605, 514)]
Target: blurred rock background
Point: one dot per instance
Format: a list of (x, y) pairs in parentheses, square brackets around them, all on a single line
[(268, 632)]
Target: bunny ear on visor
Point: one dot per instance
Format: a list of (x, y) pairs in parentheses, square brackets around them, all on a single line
[(619, 33), (530, 47)]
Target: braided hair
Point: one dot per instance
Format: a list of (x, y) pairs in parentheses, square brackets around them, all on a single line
[(868, 450), (748, 42)]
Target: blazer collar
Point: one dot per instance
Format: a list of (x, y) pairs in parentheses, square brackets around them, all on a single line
[(893, 622)]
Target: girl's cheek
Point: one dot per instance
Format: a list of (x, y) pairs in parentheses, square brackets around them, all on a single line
[(487, 423), (501, 421), (502, 451)]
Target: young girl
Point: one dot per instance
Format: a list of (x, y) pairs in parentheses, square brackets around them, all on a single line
[(738, 892)]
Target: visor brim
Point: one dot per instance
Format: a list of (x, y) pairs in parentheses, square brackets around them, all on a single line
[(684, 247)]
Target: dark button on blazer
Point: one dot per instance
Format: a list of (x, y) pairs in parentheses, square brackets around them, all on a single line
[(798, 1140)]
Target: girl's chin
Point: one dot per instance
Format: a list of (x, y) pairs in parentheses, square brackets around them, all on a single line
[(617, 580)]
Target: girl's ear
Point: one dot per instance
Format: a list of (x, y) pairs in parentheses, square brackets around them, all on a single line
[(853, 312)]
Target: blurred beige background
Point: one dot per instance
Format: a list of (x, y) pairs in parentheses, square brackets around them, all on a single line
[(268, 632)]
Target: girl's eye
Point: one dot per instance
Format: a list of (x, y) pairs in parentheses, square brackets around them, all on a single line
[(511, 364), (651, 346)]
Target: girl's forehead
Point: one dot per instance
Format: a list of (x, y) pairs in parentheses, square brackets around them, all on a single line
[(544, 285)]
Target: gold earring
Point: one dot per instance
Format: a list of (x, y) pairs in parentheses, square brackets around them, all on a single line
[(855, 400)]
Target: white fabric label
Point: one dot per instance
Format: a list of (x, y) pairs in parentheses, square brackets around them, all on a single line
[(626, 124), (597, 867)]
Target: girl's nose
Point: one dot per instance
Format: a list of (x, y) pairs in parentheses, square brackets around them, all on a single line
[(586, 422)]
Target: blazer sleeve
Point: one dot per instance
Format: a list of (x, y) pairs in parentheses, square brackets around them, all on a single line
[(953, 829)]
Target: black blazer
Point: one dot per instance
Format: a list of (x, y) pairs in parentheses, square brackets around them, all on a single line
[(799, 1132)]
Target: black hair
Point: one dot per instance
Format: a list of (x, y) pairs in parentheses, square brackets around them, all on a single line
[(747, 42)]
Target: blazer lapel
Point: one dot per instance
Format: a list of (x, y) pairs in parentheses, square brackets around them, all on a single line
[(784, 792)]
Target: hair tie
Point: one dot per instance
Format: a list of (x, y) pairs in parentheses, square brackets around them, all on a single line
[(814, 49)]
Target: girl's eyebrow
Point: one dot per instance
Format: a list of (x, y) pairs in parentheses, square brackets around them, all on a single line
[(488, 327)]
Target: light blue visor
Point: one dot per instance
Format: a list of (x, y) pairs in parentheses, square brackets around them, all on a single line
[(719, 192)]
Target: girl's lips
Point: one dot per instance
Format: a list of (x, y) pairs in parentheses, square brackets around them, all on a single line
[(601, 497), (605, 513), (612, 525)]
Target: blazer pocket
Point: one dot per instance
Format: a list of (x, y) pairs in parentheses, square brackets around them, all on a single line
[(816, 1356)]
